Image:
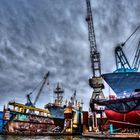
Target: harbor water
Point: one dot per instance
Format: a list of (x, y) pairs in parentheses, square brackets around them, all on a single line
[(8, 137)]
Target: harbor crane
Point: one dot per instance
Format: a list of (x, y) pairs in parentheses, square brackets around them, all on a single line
[(122, 62), (96, 81), (29, 102)]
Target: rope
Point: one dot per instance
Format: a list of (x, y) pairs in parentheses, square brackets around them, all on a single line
[(132, 34)]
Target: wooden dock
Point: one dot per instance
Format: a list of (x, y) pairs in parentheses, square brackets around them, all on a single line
[(112, 136)]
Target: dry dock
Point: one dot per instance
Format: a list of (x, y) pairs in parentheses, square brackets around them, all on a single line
[(112, 136)]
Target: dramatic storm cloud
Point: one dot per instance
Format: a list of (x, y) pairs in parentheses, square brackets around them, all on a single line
[(37, 36)]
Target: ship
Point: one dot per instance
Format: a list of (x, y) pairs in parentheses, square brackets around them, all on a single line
[(74, 116), (65, 112), (57, 108), (18, 118), (123, 82), (123, 110), (21, 119)]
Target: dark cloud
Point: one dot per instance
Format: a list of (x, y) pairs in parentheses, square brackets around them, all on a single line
[(37, 36)]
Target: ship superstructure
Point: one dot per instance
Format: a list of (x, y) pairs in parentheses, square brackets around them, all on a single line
[(66, 113), (57, 107)]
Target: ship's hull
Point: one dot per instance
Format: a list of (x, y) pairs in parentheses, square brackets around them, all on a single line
[(59, 122), (57, 114), (21, 119), (128, 119), (123, 82), (27, 123), (122, 120)]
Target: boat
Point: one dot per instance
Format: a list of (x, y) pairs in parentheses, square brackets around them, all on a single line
[(57, 108), (18, 118), (123, 83), (123, 110), (67, 116), (74, 116)]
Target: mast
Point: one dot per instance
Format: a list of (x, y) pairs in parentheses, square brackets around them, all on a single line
[(58, 95)]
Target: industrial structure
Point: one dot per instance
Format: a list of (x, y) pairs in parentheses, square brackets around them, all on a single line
[(122, 110), (125, 81), (119, 110), (96, 82)]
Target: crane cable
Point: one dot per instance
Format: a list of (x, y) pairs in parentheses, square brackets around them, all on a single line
[(133, 50), (35, 87), (132, 34), (130, 57)]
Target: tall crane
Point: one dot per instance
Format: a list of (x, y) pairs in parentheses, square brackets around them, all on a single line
[(96, 81), (29, 102), (122, 62)]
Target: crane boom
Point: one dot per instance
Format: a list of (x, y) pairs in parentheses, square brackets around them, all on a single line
[(96, 81), (122, 62), (94, 54), (41, 88)]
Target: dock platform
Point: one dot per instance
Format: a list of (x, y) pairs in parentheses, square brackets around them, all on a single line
[(112, 136), (39, 134)]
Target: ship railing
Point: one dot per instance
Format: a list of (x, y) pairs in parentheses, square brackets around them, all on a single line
[(117, 100), (13, 106)]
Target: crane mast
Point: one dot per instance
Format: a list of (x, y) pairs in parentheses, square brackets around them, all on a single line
[(94, 54), (96, 81)]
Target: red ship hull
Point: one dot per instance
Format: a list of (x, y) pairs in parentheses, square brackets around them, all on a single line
[(121, 120)]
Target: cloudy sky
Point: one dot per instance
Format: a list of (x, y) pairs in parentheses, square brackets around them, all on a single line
[(37, 36)]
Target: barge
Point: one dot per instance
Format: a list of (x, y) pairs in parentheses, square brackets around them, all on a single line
[(21, 119)]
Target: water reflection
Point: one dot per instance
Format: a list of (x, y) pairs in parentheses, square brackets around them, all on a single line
[(44, 138)]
